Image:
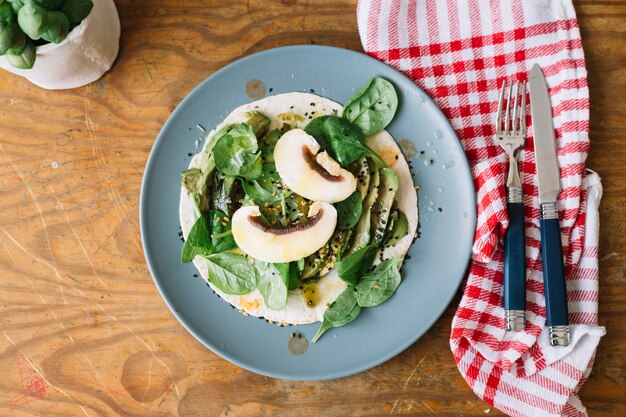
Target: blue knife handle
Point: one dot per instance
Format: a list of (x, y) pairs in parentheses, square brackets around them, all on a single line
[(515, 259), (553, 272)]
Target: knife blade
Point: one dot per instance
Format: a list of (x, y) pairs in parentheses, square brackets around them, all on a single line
[(549, 186)]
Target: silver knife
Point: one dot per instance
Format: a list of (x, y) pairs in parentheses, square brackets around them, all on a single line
[(549, 187)]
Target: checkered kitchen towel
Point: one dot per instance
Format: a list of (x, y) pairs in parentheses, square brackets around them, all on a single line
[(459, 52)]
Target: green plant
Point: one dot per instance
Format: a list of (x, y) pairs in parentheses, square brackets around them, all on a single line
[(373, 106), (341, 311), (342, 139), (231, 273), (236, 153), (349, 211), (26, 24)]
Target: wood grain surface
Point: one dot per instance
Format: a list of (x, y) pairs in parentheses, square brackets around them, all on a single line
[(83, 330)]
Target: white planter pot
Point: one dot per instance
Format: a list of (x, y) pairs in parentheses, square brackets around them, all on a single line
[(83, 57)]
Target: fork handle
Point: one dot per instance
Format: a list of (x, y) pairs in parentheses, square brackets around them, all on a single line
[(515, 263)]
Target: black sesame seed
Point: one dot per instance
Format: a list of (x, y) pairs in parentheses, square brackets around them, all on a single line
[(397, 157), (311, 90), (440, 209), (291, 107), (189, 154), (313, 104), (271, 89)]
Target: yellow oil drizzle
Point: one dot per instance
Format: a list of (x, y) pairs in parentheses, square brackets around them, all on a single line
[(311, 295)]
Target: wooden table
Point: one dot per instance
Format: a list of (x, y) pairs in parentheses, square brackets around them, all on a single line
[(83, 330)]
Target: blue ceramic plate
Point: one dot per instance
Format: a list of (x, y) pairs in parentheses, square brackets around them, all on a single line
[(437, 260)]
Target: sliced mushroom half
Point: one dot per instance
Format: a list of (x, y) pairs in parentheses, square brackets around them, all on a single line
[(276, 243), (317, 177)]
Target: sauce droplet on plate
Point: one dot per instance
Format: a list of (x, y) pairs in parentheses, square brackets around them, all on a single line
[(255, 89), (297, 344)]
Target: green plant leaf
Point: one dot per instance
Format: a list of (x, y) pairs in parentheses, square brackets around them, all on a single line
[(209, 234), (236, 153), (372, 107), (198, 241), (221, 236), (231, 273), (25, 59), (58, 27), (6, 36), (265, 189), (349, 211), (340, 312), (33, 20), (6, 13), (354, 266), (272, 285), (76, 10), (379, 285)]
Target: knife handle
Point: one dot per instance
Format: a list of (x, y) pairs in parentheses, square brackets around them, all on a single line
[(554, 276), (515, 263)]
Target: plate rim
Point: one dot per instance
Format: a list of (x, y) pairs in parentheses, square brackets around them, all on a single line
[(223, 353)]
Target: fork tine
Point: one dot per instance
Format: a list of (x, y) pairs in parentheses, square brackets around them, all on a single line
[(514, 121), (499, 117), (522, 118), (507, 112)]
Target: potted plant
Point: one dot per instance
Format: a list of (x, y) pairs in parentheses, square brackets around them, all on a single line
[(58, 44)]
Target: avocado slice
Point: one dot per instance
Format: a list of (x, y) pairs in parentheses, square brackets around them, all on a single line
[(398, 228), (361, 231), (259, 122), (382, 208), (360, 170)]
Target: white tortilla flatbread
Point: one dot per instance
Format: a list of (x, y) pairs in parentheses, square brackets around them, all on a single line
[(329, 286)]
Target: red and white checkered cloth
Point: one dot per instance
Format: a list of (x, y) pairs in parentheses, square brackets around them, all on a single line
[(459, 52)]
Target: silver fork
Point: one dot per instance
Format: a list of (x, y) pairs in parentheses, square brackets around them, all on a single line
[(511, 134)]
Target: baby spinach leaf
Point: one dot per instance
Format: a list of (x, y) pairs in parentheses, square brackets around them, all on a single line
[(372, 107), (343, 140), (198, 241), (267, 144), (231, 273), (355, 265), (289, 274), (349, 211), (221, 235), (376, 287), (341, 311), (265, 189), (272, 285), (209, 234), (236, 153)]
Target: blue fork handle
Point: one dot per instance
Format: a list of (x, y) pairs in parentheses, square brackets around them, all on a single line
[(553, 273), (515, 265)]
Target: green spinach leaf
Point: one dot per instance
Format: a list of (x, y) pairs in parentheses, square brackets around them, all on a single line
[(372, 107), (267, 144), (236, 153), (231, 273), (341, 311), (198, 241), (272, 285), (343, 140), (289, 274), (355, 265), (221, 235), (349, 211), (265, 189), (209, 234), (376, 287)]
